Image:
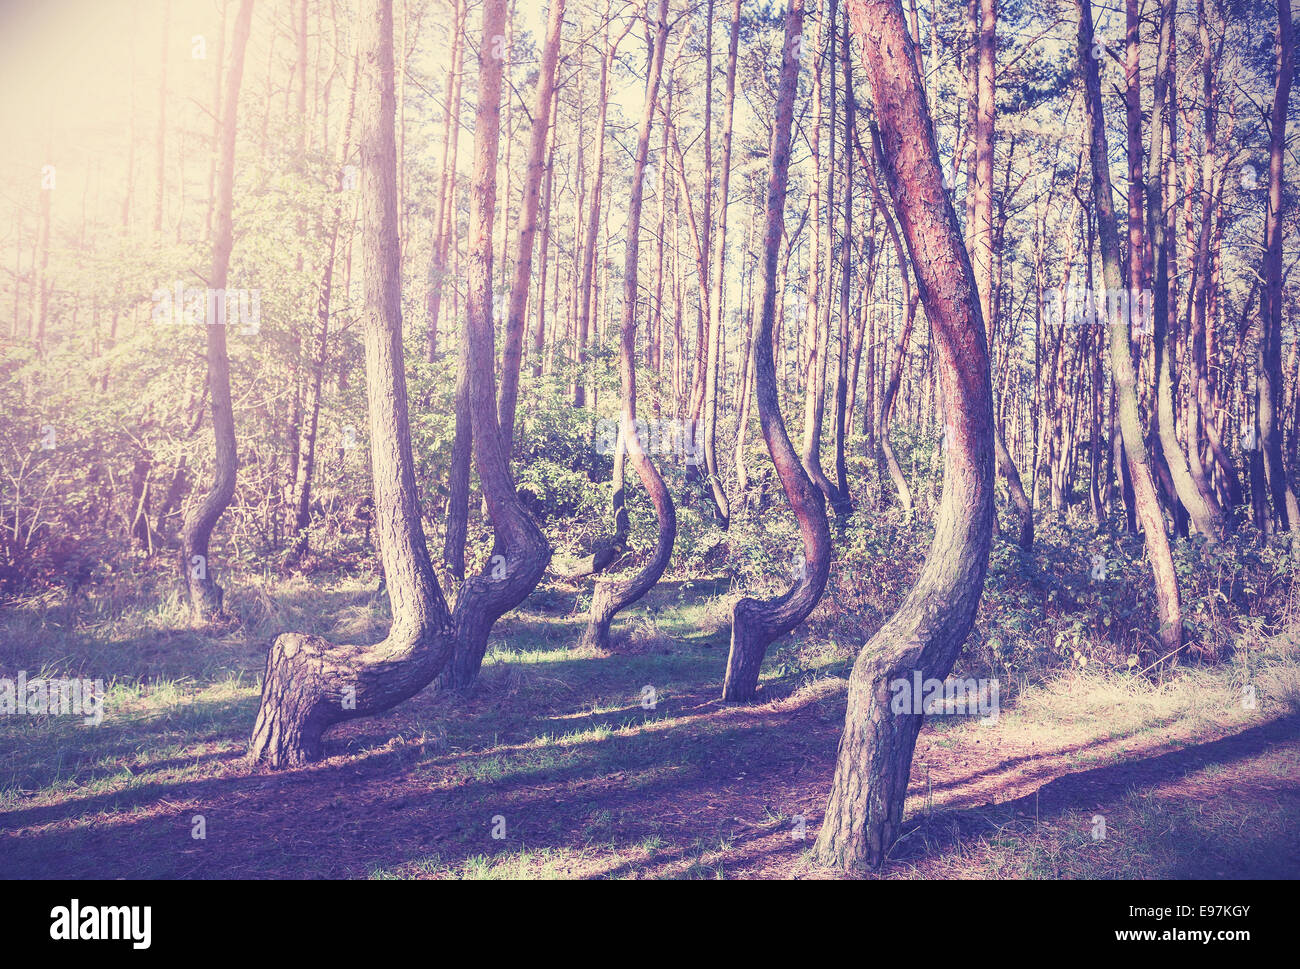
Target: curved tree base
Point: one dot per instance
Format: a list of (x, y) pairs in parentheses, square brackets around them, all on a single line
[(604, 606), (756, 624), (294, 712), (207, 600), (864, 816), (607, 598), (750, 636), (611, 597), (312, 684), (484, 600), (471, 637), (864, 813)]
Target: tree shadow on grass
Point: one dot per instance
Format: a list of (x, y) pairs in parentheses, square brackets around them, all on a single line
[(86, 753), (716, 771), (1187, 849)]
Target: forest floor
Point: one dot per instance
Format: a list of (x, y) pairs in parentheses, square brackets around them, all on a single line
[(556, 750)]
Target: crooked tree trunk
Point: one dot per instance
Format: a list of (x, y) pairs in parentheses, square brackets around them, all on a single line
[(1145, 500), (196, 569), (755, 623), (865, 809), (514, 572), (614, 595), (311, 684)]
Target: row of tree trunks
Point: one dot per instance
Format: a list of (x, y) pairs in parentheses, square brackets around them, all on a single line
[(1145, 501)]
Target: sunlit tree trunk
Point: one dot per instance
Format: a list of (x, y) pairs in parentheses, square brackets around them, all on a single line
[(865, 809), (842, 502), (205, 595), (717, 490), (311, 684), (886, 459), (512, 354), (613, 595), (591, 235), (818, 322), (462, 446), (983, 106), (515, 569), (745, 390), (1146, 502), (307, 465), (695, 406), (1201, 506), (1269, 384), (539, 332), (444, 222), (755, 623)]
